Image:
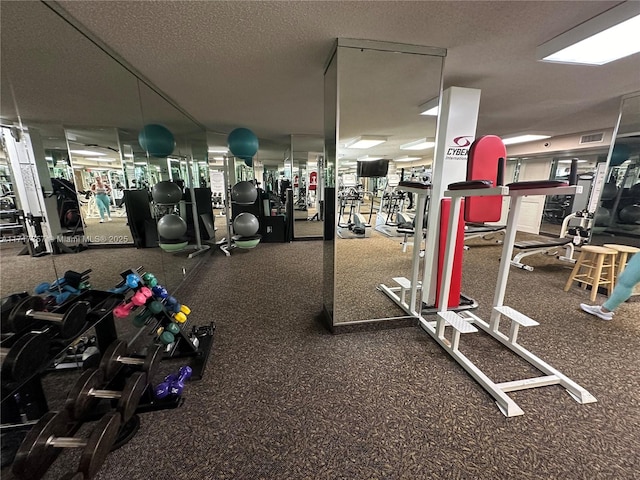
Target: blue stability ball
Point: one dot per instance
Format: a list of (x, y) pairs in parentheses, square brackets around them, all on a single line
[(244, 192), (166, 193), (172, 227), (620, 154), (243, 143), (246, 224), (157, 140)]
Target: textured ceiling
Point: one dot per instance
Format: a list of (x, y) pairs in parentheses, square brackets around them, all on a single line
[(260, 64)]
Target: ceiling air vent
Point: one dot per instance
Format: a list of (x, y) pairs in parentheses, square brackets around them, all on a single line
[(592, 138)]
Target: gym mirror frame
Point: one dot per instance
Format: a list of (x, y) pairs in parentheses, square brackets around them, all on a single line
[(412, 75), (70, 81)]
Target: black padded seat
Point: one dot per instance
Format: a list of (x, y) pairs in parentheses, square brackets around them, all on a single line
[(537, 184), (531, 244)]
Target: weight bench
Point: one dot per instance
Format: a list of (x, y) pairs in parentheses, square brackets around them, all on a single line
[(548, 247), (486, 232)]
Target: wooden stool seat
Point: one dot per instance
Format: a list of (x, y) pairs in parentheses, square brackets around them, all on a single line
[(595, 266), (624, 253)]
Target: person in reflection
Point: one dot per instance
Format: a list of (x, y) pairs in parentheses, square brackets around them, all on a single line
[(627, 280), (101, 192)]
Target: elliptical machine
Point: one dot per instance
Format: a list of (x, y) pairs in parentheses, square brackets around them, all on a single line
[(351, 197)]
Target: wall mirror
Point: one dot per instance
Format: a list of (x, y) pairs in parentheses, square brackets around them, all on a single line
[(306, 152), (618, 216), (179, 153), (78, 107), (378, 125)]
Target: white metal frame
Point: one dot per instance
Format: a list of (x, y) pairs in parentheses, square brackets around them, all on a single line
[(466, 322), (407, 295)]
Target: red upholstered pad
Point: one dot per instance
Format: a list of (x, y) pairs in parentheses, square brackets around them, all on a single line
[(484, 156), (473, 184), (537, 184)]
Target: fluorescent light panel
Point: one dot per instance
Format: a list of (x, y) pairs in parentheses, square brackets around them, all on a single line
[(218, 150), (569, 161), (407, 158), (421, 144), (88, 153), (603, 39), (365, 141), (523, 139), (431, 107), (369, 158)]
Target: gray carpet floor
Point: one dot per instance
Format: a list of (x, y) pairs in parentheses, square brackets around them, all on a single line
[(284, 399)]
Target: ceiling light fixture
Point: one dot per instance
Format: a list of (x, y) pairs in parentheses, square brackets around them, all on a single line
[(102, 159), (523, 139), (569, 161), (140, 163), (432, 107), (421, 144), (369, 158), (365, 141), (406, 158), (602, 39), (88, 153), (218, 150)]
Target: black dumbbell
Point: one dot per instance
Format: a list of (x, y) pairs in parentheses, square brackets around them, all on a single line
[(115, 356), (86, 393), (25, 356), (30, 310), (40, 447)]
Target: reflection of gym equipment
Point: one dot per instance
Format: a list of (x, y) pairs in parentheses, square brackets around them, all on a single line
[(353, 225), (391, 213), (171, 227)]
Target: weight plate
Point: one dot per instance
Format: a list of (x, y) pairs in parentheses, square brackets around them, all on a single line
[(109, 363), (34, 456), (79, 401), (99, 444), (130, 398), (152, 362), (18, 319), (26, 356), (74, 319)]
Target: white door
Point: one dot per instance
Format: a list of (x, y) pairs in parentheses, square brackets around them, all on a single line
[(533, 206)]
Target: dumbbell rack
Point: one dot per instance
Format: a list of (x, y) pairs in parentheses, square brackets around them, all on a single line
[(24, 401), (190, 341)]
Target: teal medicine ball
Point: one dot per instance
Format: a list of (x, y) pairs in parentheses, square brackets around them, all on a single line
[(243, 143), (157, 140)]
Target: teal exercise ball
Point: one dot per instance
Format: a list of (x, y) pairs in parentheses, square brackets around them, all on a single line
[(156, 140), (620, 154), (243, 143)]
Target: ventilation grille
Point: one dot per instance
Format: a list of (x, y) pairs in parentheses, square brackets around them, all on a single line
[(592, 138)]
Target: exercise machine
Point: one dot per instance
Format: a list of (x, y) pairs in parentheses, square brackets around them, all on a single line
[(352, 223), (391, 212), (468, 322)]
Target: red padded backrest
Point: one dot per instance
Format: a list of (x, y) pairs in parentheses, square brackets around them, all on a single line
[(482, 164)]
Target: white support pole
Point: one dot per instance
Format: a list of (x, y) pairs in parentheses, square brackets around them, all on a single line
[(457, 120), (505, 259)]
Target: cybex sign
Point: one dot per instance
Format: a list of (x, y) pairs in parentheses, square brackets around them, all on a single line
[(459, 149)]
